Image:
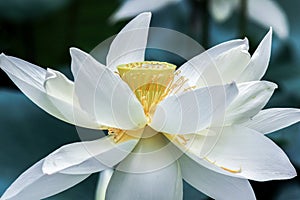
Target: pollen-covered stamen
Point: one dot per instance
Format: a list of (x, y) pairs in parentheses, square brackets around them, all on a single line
[(117, 134), (150, 81), (180, 83)]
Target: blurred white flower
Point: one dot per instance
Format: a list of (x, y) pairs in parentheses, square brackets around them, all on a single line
[(142, 104), (131, 8), (264, 12)]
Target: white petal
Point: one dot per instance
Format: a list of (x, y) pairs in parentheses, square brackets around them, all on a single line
[(270, 120), (213, 184), (259, 62), (131, 8), (225, 68), (50, 90), (221, 10), (165, 183), (269, 14), (59, 86), (87, 157), (197, 147), (60, 92), (103, 182), (255, 156), (252, 97), (153, 152), (130, 43), (193, 111), (30, 80), (218, 65), (29, 73), (104, 95), (34, 184)]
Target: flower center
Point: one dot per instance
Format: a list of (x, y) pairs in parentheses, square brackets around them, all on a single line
[(150, 81)]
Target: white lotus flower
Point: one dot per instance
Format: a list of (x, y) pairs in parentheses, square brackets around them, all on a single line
[(264, 12), (161, 130)]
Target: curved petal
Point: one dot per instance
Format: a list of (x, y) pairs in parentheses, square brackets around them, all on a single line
[(251, 155), (60, 92), (103, 182), (193, 111), (87, 157), (274, 17), (270, 120), (165, 183), (34, 184), (27, 72), (197, 146), (221, 10), (32, 81), (252, 97), (259, 62), (131, 8), (104, 95), (130, 43), (213, 184), (58, 85), (49, 89), (218, 65)]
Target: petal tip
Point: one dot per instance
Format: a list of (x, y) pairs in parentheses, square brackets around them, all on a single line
[(246, 43), (271, 29), (269, 34), (74, 50), (144, 14), (294, 173), (3, 56), (289, 174), (271, 85)]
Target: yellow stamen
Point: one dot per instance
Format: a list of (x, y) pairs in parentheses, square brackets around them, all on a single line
[(150, 82), (189, 88), (119, 135)]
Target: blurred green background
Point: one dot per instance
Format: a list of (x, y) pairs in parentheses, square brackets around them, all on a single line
[(42, 31)]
